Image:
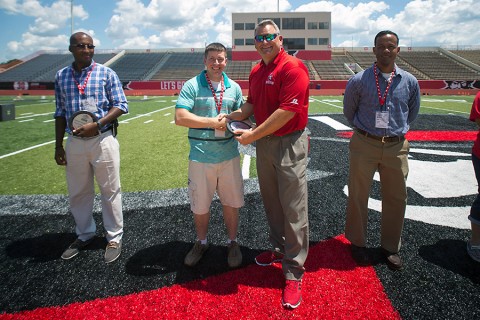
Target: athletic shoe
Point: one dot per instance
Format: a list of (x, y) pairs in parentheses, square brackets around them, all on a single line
[(195, 254), (268, 257), (473, 251), (292, 294), (234, 255), (113, 250), (75, 248)]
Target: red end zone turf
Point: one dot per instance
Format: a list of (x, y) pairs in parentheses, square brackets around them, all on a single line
[(334, 288)]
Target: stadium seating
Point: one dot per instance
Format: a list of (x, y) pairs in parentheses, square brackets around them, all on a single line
[(180, 65), (136, 66), (239, 70), (436, 65), (133, 65), (470, 55), (44, 67), (333, 69)]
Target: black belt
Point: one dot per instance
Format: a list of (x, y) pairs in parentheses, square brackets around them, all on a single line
[(382, 139)]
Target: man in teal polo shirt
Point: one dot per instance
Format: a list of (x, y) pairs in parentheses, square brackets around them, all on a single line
[(214, 160)]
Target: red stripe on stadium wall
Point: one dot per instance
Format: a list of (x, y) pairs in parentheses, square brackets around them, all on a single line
[(429, 135)]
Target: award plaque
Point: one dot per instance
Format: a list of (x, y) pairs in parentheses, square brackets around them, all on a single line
[(235, 125), (80, 118)]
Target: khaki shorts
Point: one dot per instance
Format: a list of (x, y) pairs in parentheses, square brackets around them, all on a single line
[(205, 178)]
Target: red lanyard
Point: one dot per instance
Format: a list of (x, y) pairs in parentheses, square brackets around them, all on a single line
[(218, 102), (82, 88), (384, 98)]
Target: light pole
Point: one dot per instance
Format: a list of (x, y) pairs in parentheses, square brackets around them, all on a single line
[(71, 16)]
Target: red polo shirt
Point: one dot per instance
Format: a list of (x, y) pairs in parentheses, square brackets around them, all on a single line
[(475, 114), (283, 83)]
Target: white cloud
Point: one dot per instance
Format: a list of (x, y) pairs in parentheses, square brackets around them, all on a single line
[(185, 23), (30, 41), (192, 23)]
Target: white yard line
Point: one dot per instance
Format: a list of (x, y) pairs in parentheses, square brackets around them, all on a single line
[(331, 122), (445, 109), (246, 167), (26, 149), (328, 103), (144, 115)]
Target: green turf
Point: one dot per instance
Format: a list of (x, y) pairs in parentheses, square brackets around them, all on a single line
[(154, 151)]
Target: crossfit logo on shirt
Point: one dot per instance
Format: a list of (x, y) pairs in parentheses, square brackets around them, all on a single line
[(294, 101), (270, 80)]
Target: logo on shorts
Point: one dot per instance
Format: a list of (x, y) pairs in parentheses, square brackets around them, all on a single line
[(294, 101)]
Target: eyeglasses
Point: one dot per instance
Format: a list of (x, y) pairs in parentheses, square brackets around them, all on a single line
[(83, 46), (269, 37)]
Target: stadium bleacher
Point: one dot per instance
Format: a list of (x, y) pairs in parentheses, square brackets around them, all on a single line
[(180, 65), (136, 66), (44, 67), (433, 64), (470, 55), (436, 65)]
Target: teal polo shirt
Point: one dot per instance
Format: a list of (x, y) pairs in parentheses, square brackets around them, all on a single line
[(197, 98)]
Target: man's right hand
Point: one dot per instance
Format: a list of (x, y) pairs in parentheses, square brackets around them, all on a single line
[(60, 156)]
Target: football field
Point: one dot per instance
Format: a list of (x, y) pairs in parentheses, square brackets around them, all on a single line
[(149, 279)]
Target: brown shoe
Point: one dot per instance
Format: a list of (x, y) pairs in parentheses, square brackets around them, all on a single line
[(360, 255), (394, 262), (234, 255)]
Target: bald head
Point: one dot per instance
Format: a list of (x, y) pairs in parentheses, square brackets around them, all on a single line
[(78, 37)]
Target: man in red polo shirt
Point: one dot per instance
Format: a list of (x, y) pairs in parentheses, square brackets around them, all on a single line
[(278, 98)]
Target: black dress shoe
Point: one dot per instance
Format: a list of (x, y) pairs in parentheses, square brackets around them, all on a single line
[(394, 262), (360, 255)]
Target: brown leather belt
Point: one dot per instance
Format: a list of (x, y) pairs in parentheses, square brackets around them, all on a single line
[(382, 139)]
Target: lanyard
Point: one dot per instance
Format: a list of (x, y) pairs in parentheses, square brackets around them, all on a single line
[(218, 102), (384, 98), (82, 88)]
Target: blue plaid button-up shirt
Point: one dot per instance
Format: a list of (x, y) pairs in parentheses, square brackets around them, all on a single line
[(103, 87), (360, 102)]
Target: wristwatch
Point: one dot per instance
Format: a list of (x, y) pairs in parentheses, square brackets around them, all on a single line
[(99, 125)]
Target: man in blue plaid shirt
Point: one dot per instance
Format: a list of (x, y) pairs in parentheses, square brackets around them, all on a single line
[(89, 99)]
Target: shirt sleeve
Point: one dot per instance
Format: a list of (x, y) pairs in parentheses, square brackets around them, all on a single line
[(414, 103), (293, 92), (186, 98), (59, 98), (117, 95), (475, 112), (350, 100)]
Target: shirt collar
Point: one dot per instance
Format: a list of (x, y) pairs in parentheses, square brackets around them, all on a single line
[(84, 69), (204, 83)]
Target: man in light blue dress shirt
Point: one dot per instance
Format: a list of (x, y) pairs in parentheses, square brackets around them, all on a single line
[(380, 103)]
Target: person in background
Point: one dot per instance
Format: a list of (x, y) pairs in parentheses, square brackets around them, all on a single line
[(380, 103), (473, 245), (278, 98), (91, 91), (214, 160)]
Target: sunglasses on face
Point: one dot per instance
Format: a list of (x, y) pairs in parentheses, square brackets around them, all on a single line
[(83, 46), (269, 37)]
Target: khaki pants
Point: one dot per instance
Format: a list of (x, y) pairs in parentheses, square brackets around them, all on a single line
[(281, 166), (390, 160), (98, 158)]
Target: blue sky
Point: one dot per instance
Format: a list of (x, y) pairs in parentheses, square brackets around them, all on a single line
[(32, 25)]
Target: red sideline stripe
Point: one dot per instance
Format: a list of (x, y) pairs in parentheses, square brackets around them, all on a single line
[(333, 288), (429, 135)]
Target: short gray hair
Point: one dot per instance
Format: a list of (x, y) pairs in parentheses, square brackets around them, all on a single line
[(264, 23)]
